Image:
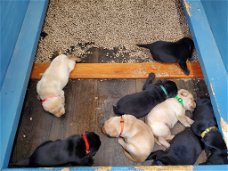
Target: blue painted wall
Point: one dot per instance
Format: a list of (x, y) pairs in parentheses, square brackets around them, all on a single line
[(217, 16), (10, 10), (210, 39), (20, 53)]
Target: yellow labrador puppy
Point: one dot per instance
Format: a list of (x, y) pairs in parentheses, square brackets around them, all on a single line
[(54, 79), (165, 115), (134, 136)]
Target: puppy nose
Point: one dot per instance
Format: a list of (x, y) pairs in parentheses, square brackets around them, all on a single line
[(60, 113), (63, 111)]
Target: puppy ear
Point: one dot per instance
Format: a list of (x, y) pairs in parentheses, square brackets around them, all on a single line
[(183, 92)]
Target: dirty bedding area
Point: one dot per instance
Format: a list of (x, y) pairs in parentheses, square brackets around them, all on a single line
[(88, 105), (114, 27), (99, 31)]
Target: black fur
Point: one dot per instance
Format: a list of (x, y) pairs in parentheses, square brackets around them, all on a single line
[(184, 149), (217, 157), (140, 104), (69, 151), (170, 52), (214, 144)]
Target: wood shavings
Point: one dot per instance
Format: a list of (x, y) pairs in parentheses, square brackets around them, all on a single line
[(109, 24)]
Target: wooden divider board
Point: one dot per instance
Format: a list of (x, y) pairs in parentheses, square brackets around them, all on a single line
[(124, 70)]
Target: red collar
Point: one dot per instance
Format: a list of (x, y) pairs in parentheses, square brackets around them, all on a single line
[(86, 142), (121, 125), (46, 99)]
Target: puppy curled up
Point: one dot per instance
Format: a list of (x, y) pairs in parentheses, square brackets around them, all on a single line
[(134, 136), (140, 104), (205, 127), (76, 150), (171, 52), (165, 115), (54, 79), (184, 149)]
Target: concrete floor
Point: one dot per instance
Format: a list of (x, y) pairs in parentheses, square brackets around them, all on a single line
[(110, 24)]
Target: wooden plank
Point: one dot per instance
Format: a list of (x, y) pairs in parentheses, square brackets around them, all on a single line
[(124, 70)]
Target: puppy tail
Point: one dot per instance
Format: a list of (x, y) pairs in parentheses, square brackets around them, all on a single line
[(116, 110), (147, 46), (74, 58)]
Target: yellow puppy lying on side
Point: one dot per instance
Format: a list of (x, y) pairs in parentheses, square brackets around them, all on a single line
[(166, 114), (134, 136), (54, 79)]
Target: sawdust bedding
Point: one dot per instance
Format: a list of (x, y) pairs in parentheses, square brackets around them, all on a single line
[(116, 26)]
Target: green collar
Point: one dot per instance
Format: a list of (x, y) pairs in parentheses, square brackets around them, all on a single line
[(180, 100), (164, 90)]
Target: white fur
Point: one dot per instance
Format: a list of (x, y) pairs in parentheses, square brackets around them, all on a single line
[(136, 139), (165, 115), (53, 81)]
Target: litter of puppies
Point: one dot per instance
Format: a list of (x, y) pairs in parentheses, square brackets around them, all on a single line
[(160, 102)]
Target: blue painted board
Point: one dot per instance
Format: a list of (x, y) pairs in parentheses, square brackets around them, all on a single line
[(17, 75), (127, 168), (10, 11), (217, 16), (211, 61), (18, 70), (208, 24)]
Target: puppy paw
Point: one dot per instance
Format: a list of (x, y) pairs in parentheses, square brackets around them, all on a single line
[(121, 141), (170, 137), (190, 121), (187, 125), (164, 142), (186, 72), (151, 75)]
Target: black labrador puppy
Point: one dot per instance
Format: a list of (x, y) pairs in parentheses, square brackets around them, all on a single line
[(140, 104), (184, 149), (76, 150), (205, 127), (172, 52), (217, 157)]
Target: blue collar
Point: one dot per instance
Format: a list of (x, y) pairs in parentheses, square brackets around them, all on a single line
[(164, 90)]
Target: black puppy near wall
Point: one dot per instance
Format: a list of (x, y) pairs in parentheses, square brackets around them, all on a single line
[(140, 104), (76, 150), (172, 52), (205, 127), (184, 149)]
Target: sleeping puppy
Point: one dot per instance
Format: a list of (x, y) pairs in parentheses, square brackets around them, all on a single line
[(217, 157), (171, 52), (185, 149), (76, 150), (166, 114), (135, 136), (139, 104), (205, 127), (54, 79)]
